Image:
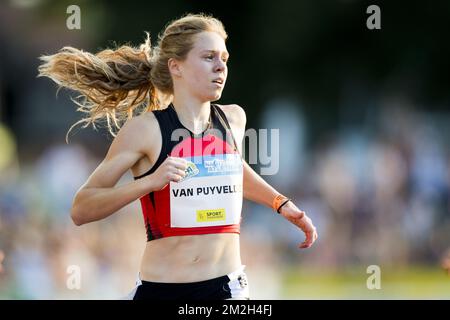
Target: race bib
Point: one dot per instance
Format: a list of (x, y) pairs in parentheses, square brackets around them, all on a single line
[(210, 194)]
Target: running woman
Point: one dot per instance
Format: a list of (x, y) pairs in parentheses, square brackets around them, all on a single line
[(183, 151)]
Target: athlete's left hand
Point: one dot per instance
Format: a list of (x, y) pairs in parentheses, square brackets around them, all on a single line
[(301, 220)]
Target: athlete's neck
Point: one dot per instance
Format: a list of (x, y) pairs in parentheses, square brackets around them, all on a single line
[(193, 115)]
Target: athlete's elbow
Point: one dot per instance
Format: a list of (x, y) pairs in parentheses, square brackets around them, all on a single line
[(77, 221), (77, 218), (85, 209), (78, 211)]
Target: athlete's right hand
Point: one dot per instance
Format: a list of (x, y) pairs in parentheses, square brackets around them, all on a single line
[(172, 169)]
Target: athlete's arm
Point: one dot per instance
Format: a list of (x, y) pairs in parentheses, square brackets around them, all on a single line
[(258, 190), (98, 198), (255, 188)]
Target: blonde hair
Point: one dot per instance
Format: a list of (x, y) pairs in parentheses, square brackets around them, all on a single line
[(116, 84)]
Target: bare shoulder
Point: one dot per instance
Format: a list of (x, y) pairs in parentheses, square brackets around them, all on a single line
[(144, 121), (132, 135), (235, 114)]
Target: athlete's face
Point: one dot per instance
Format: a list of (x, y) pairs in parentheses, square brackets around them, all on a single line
[(204, 71)]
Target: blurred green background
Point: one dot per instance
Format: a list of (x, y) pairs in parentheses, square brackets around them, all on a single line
[(364, 119)]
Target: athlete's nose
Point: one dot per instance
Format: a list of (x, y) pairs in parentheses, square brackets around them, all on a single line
[(220, 66)]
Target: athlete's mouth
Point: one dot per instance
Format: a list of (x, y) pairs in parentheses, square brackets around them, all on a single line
[(219, 80)]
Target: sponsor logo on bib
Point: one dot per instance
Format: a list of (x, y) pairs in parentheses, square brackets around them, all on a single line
[(227, 165), (191, 170), (211, 215)]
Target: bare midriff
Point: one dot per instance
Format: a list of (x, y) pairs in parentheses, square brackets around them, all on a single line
[(181, 259)]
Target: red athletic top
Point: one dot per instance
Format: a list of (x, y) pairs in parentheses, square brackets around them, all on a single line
[(209, 198)]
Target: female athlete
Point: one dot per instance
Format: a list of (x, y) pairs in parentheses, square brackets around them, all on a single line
[(183, 150)]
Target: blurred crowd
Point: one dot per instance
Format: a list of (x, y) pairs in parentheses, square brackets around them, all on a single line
[(378, 194), (378, 190), (363, 150)]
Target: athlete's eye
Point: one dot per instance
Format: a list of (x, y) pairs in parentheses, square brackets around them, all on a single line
[(209, 57)]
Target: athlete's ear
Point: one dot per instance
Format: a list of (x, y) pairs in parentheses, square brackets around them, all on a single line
[(174, 67)]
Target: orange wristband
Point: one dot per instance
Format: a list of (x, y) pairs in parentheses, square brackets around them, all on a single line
[(279, 201)]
